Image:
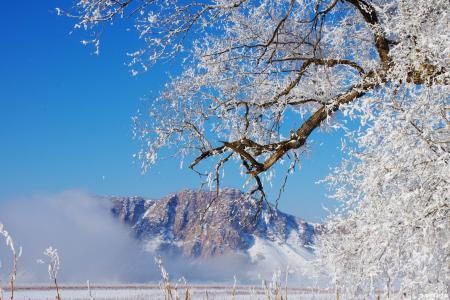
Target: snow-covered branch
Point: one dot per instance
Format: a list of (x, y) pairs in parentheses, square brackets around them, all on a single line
[(259, 77)]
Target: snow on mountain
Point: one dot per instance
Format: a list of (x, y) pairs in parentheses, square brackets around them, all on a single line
[(174, 225)]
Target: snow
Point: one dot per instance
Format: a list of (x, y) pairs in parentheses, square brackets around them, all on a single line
[(275, 254), (153, 292), (269, 256)]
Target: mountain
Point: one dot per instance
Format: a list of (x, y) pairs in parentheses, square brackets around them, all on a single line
[(174, 225)]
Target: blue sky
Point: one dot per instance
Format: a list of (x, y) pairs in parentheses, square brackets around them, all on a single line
[(65, 117)]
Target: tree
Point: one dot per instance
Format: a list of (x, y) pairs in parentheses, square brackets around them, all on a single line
[(260, 76), (392, 231)]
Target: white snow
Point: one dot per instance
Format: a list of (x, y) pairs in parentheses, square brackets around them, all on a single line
[(153, 292), (269, 256)]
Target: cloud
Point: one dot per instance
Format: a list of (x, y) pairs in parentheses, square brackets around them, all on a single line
[(95, 246), (91, 243)]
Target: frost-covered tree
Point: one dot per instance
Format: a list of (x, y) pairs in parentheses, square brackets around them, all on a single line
[(258, 77), (392, 231)]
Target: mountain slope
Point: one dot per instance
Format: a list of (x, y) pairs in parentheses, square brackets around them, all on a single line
[(174, 225)]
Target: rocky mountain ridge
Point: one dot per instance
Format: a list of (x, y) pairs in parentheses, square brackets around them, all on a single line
[(174, 224)]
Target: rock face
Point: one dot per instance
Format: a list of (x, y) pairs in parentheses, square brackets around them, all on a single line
[(174, 224)]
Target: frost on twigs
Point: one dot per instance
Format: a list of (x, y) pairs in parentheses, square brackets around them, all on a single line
[(171, 292), (53, 264), (275, 290), (165, 284)]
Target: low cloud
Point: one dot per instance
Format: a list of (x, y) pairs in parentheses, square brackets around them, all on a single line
[(95, 246), (91, 243)]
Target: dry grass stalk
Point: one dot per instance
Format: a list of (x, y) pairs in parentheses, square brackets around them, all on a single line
[(13, 275), (275, 290), (177, 296), (234, 288), (58, 296), (89, 290), (286, 283), (187, 295), (15, 256), (276, 285), (53, 267), (252, 293), (165, 282), (266, 290), (168, 291)]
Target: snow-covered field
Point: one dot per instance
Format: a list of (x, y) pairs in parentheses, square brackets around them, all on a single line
[(138, 292)]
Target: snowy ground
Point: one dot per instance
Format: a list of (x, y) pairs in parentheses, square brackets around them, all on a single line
[(138, 292)]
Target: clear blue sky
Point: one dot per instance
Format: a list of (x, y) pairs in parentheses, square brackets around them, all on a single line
[(65, 117)]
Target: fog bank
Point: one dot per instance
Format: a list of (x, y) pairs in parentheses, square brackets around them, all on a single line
[(95, 246), (91, 244)]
